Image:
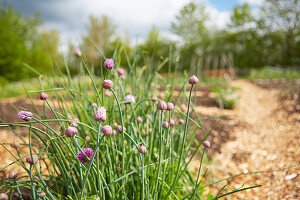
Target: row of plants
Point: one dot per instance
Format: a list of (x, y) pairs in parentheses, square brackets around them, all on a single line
[(110, 138)]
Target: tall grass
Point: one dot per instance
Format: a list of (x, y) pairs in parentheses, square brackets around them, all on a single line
[(116, 170)]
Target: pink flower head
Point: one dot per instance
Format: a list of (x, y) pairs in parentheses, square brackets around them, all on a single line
[(165, 124), (26, 116), (172, 122), (154, 98), (3, 196), (81, 157), (139, 120), (71, 131), (123, 76), (181, 121), (120, 129), (170, 106), (107, 84), (100, 114), (109, 63), (121, 71), (15, 144), (206, 143), (29, 160), (106, 130), (119, 169), (43, 96), (129, 98), (107, 93), (77, 52), (94, 105), (193, 80), (43, 194), (114, 132), (13, 175), (142, 149), (74, 124), (162, 105)]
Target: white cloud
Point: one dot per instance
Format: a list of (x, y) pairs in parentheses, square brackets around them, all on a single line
[(218, 18)]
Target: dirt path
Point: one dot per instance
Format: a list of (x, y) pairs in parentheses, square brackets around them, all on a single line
[(269, 140)]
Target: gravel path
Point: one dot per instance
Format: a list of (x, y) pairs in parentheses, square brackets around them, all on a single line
[(268, 140)]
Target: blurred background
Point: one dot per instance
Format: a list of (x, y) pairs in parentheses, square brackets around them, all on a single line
[(243, 35)]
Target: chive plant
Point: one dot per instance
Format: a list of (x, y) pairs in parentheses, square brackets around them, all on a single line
[(109, 137)]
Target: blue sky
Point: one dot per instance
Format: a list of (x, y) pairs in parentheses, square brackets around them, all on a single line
[(134, 17)]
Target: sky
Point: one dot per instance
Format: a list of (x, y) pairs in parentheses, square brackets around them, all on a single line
[(134, 17)]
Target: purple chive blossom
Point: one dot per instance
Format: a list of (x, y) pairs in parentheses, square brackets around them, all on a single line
[(81, 157), (3, 196), (15, 144), (13, 175), (165, 124), (162, 105), (107, 84), (139, 120), (154, 98), (43, 96), (172, 122), (109, 64), (142, 149), (193, 80), (121, 71), (94, 105), (29, 160), (43, 194), (206, 143), (77, 52), (123, 76), (170, 106), (107, 93), (181, 121), (26, 116), (100, 114), (120, 129), (129, 98), (106, 130), (71, 131)]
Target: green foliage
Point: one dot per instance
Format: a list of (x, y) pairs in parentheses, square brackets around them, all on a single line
[(21, 42)]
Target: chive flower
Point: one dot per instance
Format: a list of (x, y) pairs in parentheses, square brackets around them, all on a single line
[(71, 131), (172, 122), (165, 124), (120, 129), (94, 105), (193, 80), (106, 130), (121, 71), (206, 143), (107, 93), (107, 84), (43, 96), (77, 52), (162, 105), (139, 120), (142, 149), (25, 115), (170, 106), (43, 194), (88, 152), (109, 63), (181, 121), (129, 98), (13, 175), (100, 114), (29, 160), (3, 196), (15, 144)]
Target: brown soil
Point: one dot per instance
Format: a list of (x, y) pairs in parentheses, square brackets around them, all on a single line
[(270, 140)]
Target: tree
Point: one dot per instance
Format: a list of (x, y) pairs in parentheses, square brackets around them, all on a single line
[(283, 16), (22, 42), (190, 26), (100, 32)]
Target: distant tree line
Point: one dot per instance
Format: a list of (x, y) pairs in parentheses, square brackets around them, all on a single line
[(271, 36)]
